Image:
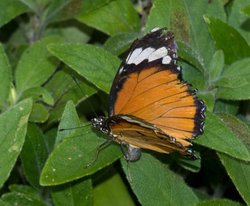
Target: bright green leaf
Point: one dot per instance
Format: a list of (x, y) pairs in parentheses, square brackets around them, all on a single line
[(239, 172), (34, 154), (77, 193), (120, 42), (70, 158), (112, 191), (5, 72), (154, 183), (216, 66), (238, 17), (111, 18), (23, 197), (95, 64), (10, 10), (228, 39), (69, 123), (39, 113), (219, 137), (234, 83), (13, 124), (38, 94), (246, 10), (36, 65), (185, 19)]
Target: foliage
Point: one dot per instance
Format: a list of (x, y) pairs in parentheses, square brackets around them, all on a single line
[(57, 62)]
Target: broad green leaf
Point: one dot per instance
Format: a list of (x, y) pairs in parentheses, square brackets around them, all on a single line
[(36, 65), (218, 202), (38, 94), (70, 159), (39, 113), (63, 87), (234, 83), (154, 183), (238, 127), (10, 10), (186, 53), (246, 10), (238, 19), (227, 106), (186, 21), (111, 18), (13, 125), (5, 72), (218, 136), (77, 193), (239, 172), (95, 64), (72, 33), (215, 67), (228, 39), (34, 154), (23, 195), (3, 203), (120, 42), (35, 5), (69, 123), (112, 191)]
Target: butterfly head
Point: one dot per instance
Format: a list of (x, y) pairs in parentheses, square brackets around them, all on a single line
[(100, 123)]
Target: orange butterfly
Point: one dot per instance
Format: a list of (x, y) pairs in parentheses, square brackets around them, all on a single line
[(150, 107)]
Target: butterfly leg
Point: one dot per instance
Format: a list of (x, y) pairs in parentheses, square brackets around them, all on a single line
[(100, 147)]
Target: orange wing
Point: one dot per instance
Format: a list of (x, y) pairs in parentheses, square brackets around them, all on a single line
[(157, 96)]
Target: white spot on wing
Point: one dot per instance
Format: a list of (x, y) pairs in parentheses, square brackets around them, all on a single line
[(155, 29), (166, 60), (131, 58), (159, 53), (144, 55)]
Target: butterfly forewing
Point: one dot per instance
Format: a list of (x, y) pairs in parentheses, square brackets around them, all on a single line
[(147, 88)]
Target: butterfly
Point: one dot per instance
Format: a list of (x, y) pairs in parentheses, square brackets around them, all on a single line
[(150, 107)]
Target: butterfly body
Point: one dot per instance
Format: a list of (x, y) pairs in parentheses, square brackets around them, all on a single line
[(150, 106)]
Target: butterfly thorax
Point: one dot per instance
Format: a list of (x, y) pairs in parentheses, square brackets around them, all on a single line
[(100, 123)]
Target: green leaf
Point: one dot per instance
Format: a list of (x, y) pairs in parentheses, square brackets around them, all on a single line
[(5, 72), (95, 64), (120, 42), (38, 94), (34, 154), (63, 87), (112, 17), (219, 137), (72, 32), (218, 202), (13, 124), (237, 19), (216, 66), (149, 174), (239, 172), (228, 39), (234, 83), (186, 21), (36, 65), (77, 193), (70, 158), (246, 10), (3, 203), (238, 127), (227, 106), (70, 122), (39, 113), (22, 195), (10, 10), (112, 191)]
